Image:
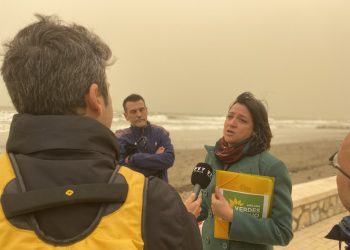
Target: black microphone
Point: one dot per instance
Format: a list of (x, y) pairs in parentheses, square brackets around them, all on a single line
[(201, 177)]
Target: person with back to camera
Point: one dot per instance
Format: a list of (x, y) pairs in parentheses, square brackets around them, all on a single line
[(341, 161), (144, 147), (60, 183), (244, 149)]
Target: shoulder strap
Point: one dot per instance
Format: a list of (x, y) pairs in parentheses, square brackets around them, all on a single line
[(33, 201)]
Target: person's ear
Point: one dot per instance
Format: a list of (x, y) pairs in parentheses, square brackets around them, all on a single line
[(126, 115), (94, 101)]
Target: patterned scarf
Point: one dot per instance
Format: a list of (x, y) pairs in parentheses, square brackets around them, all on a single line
[(230, 154)]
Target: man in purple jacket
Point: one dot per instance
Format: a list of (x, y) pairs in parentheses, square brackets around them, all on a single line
[(144, 147)]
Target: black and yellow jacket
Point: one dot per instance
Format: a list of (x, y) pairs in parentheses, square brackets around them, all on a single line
[(75, 158)]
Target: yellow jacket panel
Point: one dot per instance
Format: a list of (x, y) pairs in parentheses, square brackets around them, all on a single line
[(118, 230)]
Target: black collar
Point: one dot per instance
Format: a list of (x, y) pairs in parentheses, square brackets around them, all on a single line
[(140, 131)]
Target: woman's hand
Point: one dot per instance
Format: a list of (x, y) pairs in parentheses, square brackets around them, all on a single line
[(193, 206), (220, 206)]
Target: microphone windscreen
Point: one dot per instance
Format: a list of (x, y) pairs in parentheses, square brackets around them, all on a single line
[(202, 174)]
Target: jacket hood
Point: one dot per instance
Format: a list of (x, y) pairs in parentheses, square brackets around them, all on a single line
[(32, 133)]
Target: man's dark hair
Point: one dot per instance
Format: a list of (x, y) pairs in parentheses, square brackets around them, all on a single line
[(132, 98), (49, 67), (262, 131)]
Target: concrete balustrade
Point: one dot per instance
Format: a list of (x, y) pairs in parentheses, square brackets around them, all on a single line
[(315, 201)]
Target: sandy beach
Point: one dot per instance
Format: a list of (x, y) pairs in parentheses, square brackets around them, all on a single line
[(306, 161)]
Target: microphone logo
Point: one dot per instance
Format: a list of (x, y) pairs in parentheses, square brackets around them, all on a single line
[(203, 170), (201, 177)]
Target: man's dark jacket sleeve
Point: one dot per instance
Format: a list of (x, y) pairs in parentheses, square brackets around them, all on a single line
[(152, 161), (167, 223)]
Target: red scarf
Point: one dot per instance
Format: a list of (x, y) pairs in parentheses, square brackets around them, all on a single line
[(229, 154)]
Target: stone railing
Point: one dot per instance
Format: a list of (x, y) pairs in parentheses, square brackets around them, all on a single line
[(315, 201)]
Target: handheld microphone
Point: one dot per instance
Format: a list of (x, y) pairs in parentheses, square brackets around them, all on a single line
[(201, 177)]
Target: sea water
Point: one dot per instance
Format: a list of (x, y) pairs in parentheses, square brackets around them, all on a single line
[(194, 131)]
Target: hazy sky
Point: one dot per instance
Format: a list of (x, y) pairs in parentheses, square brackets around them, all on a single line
[(196, 56)]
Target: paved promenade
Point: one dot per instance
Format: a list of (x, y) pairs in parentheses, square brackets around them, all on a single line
[(312, 237)]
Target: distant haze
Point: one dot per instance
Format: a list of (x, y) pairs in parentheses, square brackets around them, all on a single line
[(190, 56)]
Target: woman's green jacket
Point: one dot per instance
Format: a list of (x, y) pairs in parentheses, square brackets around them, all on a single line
[(246, 231)]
